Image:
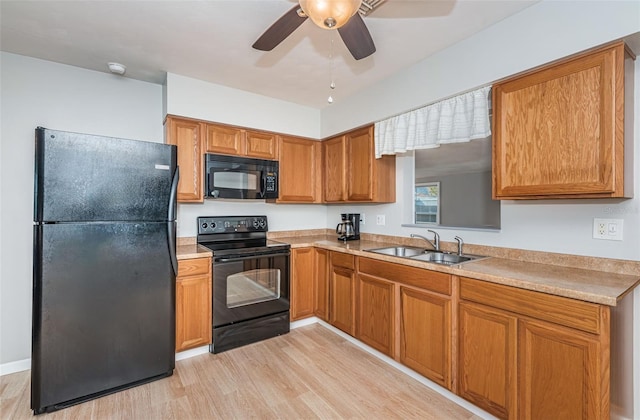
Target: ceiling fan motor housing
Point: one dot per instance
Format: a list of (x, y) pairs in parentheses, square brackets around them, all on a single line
[(330, 14)]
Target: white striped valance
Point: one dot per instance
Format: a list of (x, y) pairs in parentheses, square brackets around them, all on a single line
[(454, 120)]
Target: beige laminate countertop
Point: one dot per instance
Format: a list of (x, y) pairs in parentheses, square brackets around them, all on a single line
[(192, 250), (576, 283)]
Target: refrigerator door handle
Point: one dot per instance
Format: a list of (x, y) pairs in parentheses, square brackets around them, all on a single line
[(172, 195), (171, 239)]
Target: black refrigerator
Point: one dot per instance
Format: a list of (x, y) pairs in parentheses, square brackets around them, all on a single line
[(104, 266)]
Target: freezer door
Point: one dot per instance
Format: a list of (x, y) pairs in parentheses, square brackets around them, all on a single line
[(103, 309), (81, 177)]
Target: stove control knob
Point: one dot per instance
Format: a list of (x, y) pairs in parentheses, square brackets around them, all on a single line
[(263, 223), (212, 225), (204, 225), (256, 224)]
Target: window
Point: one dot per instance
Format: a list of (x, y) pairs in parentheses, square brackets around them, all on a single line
[(427, 203)]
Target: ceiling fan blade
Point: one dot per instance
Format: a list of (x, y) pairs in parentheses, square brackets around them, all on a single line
[(281, 29), (357, 38)]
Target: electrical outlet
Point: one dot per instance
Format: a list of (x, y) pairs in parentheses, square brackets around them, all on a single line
[(362, 218), (380, 220), (610, 229)]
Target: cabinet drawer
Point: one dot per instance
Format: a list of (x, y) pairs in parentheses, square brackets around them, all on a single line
[(342, 260), (572, 313), (194, 266), (418, 277)]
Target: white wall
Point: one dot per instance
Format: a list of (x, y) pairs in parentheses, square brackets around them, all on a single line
[(207, 101), (42, 93), (197, 99), (543, 32)]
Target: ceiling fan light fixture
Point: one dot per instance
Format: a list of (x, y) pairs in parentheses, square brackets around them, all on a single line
[(330, 14)]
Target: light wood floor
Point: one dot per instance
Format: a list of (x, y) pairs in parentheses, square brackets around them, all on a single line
[(309, 373)]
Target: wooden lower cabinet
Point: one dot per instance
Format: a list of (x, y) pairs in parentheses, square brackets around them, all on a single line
[(487, 359), (529, 355), (376, 313), (321, 284), (342, 292), (559, 373), (302, 284), (425, 334), (193, 303)]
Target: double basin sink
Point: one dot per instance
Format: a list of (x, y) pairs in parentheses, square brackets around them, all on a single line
[(422, 254)]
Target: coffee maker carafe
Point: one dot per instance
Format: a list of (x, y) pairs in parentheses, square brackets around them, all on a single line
[(349, 228)]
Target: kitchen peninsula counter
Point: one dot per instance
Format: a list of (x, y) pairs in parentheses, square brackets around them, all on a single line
[(602, 287)]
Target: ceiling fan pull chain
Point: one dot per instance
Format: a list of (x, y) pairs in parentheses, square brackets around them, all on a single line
[(332, 85)]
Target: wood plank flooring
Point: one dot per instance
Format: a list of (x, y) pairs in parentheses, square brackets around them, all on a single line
[(307, 374)]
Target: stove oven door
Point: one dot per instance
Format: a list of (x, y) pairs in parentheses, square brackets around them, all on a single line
[(246, 287)]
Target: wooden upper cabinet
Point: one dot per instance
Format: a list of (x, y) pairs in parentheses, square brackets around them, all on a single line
[(225, 140), (334, 152), (300, 163), (230, 140), (352, 174), (261, 145), (558, 131), (187, 135), (360, 148)]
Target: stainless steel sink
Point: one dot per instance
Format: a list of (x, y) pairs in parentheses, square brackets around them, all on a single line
[(444, 258), (399, 251), (422, 254)]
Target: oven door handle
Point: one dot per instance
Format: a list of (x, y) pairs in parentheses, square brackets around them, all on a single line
[(252, 257)]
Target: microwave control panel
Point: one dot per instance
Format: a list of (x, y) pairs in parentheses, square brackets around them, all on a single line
[(271, 182)]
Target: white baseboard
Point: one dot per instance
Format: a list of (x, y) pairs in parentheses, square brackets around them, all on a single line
[(13, 367), (192, 352), (304, 322)]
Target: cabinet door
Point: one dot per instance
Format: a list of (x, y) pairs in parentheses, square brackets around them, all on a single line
[(360, 175), (193, 305), (300, 170), (187, 135), (321, 278), (487, 359), (261, 145), (376, 313), (334, 169), (559, 375), (342, 298), (225, 140), (558, 131), (302, 273), (425, 334)]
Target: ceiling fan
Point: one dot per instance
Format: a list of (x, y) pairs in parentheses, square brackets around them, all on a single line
[(343, 15)]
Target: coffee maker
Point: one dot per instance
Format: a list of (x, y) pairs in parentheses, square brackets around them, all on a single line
[(349, 228)]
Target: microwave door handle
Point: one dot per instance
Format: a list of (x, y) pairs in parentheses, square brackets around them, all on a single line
[(263, 184)]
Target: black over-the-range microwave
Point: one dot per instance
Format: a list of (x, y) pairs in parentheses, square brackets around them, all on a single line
[(240, 177)]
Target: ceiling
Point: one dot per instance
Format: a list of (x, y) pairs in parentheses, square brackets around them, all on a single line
[(211, 41)]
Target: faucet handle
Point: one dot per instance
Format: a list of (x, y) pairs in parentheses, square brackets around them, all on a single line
[(460, 243)]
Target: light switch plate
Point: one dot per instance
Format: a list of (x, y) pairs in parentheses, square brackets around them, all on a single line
[(380, 219), (610, 229)]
